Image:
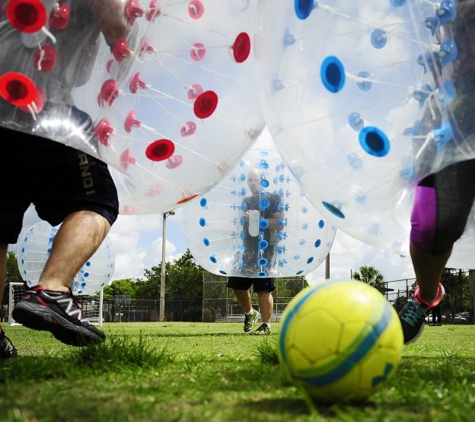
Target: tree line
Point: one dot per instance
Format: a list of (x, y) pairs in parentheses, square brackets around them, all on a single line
[(184, 281)]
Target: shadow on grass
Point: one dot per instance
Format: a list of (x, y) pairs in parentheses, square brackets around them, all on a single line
[(304, 406), (118, 353), (282, 406), (178, 335), (27, 368)]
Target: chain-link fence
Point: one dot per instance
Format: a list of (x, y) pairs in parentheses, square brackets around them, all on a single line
[(220, 304)]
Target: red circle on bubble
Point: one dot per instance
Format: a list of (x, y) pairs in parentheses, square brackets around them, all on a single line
[(187, 199), (205, 104), (59, 16), (27, 15), (45, 58), (109, 92), (37, 105), (17, 89), (160, 150), (194, 91), (242, 47), (120, 50), (197, 51), (153, 11), (188, 129), (196, 9), (174, 161)]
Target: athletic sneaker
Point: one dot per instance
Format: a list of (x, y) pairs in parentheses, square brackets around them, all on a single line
[(250, 320), (413, 315), (59, 313), (7, 349), (264, 329)]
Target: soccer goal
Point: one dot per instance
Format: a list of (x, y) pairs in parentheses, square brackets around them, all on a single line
[(92, 306)]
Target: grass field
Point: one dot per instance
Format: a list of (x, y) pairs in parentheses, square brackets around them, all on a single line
[(214, 372)]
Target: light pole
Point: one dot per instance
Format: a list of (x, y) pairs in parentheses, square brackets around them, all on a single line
[(327, 266), (162, 280)]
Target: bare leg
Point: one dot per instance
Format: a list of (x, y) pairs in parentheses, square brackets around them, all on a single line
[(244, 299), (78, 238), (3, 270), (266, 304), (428, 269)]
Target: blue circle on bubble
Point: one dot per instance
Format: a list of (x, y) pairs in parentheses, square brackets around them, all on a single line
[(263, 244), (303, 8), (263, 224), (334, 210), (332, 74), (374, 141), (265, 203), (262, 262)]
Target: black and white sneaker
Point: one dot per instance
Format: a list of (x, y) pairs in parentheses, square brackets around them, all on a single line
[(7, 349), (59, 313), (413, 314)]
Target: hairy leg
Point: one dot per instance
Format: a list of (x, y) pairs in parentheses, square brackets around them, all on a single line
[(244, 299), (266, 305), (79, 236)]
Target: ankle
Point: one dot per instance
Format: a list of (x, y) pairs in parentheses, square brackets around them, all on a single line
[(55, 288), (429, 302)]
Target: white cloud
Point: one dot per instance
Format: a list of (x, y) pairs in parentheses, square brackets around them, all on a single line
[(349, 254)]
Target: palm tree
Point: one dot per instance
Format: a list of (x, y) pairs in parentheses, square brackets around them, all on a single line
[(371, 276)]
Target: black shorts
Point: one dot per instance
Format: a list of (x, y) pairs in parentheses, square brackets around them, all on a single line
[(258, 284), (57, 179)]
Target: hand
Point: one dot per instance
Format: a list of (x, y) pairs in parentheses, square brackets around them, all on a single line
[(111, 19), (246, 215)]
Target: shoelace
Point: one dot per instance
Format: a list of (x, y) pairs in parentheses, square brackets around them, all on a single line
[(414, 314)]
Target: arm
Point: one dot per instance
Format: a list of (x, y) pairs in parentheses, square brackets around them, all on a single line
[(111, 18), (274, 221)]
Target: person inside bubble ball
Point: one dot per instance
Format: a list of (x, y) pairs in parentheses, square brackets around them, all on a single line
[(443, 200), (262, 221), (65, 185)]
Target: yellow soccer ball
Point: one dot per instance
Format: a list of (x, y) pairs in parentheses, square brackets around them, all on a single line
[(341, 340)]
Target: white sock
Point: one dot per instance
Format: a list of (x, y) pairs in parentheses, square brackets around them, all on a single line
[(267, 323), (251, 312)]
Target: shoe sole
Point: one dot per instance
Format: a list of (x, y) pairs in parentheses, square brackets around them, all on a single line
[(41, 318)]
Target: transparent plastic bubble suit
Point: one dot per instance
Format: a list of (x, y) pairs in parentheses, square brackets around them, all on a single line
[(257, 222), (446, 132), (170, 106), (344, 88), (35, 247)]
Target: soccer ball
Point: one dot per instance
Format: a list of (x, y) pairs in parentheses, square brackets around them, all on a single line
[(341, 340)]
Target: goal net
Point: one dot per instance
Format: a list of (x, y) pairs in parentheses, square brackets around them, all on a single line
[(91, 305)]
